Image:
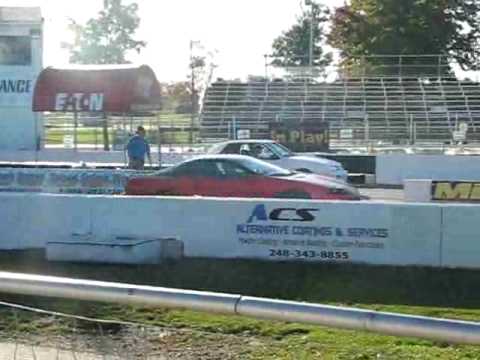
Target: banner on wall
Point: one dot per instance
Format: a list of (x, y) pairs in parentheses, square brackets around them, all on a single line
[(456, 191), (63, 181), (301, 136), (16, 89), (308, 233)]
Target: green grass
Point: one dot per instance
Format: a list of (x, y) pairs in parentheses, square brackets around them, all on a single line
[(85, 135), (95, 136), (55, 132), (421, 291)]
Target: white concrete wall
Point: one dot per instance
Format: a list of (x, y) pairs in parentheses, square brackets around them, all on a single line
[(360, 232), (445, 235), (417, 190), (31, 220), (20, 128), (394, 169), (461, 236), (71, 156)]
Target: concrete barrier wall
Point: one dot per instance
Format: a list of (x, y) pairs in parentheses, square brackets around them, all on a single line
[(279, 230), (31, 220), (97, 156), (443, 235), (394, 169), (461, 236), (69, 181)]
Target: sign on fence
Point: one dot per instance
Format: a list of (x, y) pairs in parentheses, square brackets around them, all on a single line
[(346, 134), (68, 141), (300, 136), (243, 134)]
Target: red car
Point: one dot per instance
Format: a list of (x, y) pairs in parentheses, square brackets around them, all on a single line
[(238, 176)]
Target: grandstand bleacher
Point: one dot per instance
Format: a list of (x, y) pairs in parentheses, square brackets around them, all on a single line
[(391, 109)]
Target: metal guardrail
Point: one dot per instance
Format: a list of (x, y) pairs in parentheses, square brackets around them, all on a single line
[(451, 331)]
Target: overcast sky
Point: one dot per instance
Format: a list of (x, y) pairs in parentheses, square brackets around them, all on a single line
[(241, 31)]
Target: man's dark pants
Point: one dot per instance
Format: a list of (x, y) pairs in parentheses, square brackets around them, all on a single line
[(136, 164)]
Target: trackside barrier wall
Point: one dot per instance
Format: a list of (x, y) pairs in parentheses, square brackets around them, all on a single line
[(374, 233), (361, 232), (417, 190), (461, 236), (69, 181), (97, 156), (394, 169)]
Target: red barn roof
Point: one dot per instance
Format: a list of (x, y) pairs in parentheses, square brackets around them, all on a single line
[(103, 88)]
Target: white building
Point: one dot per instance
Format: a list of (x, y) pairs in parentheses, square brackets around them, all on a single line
[(21, 51)]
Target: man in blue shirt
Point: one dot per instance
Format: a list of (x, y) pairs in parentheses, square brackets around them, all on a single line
[(137, 148)]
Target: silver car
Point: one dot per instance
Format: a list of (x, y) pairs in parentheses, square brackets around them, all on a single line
[(277, 154)]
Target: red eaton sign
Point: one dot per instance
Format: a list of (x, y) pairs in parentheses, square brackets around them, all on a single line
[(120, 89), (79, 102)]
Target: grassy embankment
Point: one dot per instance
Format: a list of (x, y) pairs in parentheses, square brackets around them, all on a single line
[(421, 291)]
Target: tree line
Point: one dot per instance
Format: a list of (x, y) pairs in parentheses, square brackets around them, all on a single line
[(363, 28), (355, 31)]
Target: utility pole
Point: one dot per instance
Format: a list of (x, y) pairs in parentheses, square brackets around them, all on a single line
[(266, 66), (310, 52)]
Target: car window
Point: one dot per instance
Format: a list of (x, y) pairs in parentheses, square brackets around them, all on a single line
[(232, 169), (215, 149), (245, 149), (263, 168), (232, 149), (263, 152), (197, 168), (280, 150)]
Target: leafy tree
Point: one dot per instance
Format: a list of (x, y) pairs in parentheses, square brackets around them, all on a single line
[(370, 27), (108, 38), (177, 97), (292, 47)]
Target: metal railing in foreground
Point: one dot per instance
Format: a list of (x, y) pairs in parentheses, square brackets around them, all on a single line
[(451, 331)]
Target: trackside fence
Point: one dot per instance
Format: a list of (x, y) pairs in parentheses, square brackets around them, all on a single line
[(72, 336), (451, 331)]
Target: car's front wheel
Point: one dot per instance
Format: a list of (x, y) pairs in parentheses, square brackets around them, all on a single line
[(293, 194)]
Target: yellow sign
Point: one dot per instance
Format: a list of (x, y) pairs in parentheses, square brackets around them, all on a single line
[(466, 191)]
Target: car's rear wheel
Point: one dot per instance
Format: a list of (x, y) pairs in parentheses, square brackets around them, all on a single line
[(293, 194)]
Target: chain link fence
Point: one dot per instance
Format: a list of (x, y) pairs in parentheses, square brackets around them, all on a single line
[(31, 333), (111, 132)]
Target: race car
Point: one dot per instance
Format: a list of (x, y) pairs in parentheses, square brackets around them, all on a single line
[(238, 176), (279, 155)]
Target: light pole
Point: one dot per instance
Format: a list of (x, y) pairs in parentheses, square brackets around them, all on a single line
[(192, 91), (266, 66)]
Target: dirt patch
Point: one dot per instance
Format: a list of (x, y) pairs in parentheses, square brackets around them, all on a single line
[(131, 342)]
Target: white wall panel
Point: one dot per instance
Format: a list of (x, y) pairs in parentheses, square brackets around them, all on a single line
[(394, 169)]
